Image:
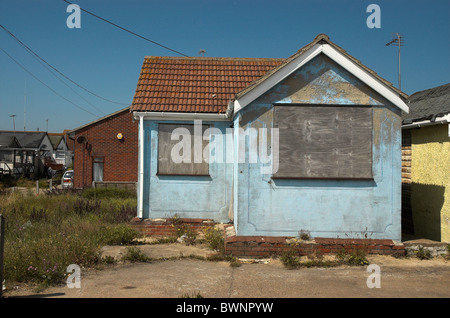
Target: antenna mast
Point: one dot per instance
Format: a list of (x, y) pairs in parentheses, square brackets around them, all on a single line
[(397, 40)]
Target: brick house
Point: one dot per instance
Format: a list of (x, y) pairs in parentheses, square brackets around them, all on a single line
[(106, 151)]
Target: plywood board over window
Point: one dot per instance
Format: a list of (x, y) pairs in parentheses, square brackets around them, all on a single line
[(181, 144), (324, 142)]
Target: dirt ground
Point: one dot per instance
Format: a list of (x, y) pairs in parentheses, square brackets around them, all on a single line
[(172, 276)]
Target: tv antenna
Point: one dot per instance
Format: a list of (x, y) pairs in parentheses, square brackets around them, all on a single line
[(14, 123), (397, 40)]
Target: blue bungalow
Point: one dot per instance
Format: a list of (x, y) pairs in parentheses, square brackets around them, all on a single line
[(311, 142)]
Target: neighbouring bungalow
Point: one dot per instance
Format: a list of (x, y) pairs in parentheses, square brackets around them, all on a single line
[(311, 142), (8, 146), (29, 159), (61, 154), (105, 152), (426, 164)]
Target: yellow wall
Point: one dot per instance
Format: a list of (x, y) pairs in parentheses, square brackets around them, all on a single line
[(430, 177)]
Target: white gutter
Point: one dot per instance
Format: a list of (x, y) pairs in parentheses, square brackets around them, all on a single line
[(181, 116), (141, 167), (439, 120)]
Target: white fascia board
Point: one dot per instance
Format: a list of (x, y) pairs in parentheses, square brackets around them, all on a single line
[(181, 116), (277, 77), (438, 121), (365, 77), (304, 58)]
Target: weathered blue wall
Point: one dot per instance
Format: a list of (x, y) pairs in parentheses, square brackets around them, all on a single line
[(325, 208), (185, 196)]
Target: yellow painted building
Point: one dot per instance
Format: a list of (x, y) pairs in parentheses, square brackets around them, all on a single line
[(426, 162), (430, 182)]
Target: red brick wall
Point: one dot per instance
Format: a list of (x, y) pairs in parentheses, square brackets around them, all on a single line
[(264, 246), (166, 227), (120, 156)]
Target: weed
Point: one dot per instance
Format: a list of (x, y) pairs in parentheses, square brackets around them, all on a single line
[(121, 234), (134, 254), (233, 260), (194, 295), (45, 234), (423, 254), (108, 193), (215, 238), (290, 259), (304, 235), (356, 257), (109, 260)]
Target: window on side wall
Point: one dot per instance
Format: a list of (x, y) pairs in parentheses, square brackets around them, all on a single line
[(98, 167), (177, 148), (324, 142)]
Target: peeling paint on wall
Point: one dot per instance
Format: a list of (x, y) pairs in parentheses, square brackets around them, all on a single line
[(327, 208)]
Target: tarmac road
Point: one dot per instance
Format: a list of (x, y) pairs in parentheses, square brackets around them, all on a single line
[(178, 278)]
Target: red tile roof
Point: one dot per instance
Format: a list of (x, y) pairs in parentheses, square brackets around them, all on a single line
[(195, 84)]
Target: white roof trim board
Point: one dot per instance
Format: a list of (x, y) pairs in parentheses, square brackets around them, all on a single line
[(304, 58)]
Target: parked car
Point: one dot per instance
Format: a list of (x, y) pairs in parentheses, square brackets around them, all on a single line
[(67, 179)]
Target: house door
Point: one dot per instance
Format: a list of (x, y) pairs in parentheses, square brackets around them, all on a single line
[(98, 169)]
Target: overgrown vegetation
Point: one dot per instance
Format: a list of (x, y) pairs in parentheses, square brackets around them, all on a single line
[(183, 230), (44, 234), (423, 254), (291, 259)]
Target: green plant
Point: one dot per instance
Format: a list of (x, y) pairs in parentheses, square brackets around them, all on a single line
[(215, 238), (187, 232), (109, 260), (357, 256), (108, 193), (304, 235), (290, 259), (45, 234), (134, 254), (233, 260), (193, 295), (121, 234), (423, 254)]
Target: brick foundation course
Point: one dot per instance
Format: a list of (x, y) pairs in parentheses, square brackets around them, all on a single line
[(265, 247), (167, 227), (268, 246)]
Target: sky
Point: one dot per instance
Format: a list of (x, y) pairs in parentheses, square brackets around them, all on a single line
[(103, 62)]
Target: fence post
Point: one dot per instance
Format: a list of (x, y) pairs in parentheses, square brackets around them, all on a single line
[(2, 246)]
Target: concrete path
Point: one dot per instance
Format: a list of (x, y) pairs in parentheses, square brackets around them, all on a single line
[(179, 277)]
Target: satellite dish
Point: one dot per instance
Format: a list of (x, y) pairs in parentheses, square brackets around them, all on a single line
[(81, 139)]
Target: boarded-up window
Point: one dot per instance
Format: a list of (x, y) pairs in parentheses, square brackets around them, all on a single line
[(180, 151), (324, 142)]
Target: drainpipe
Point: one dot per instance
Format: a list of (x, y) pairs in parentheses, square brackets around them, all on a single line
[(141, 166)]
